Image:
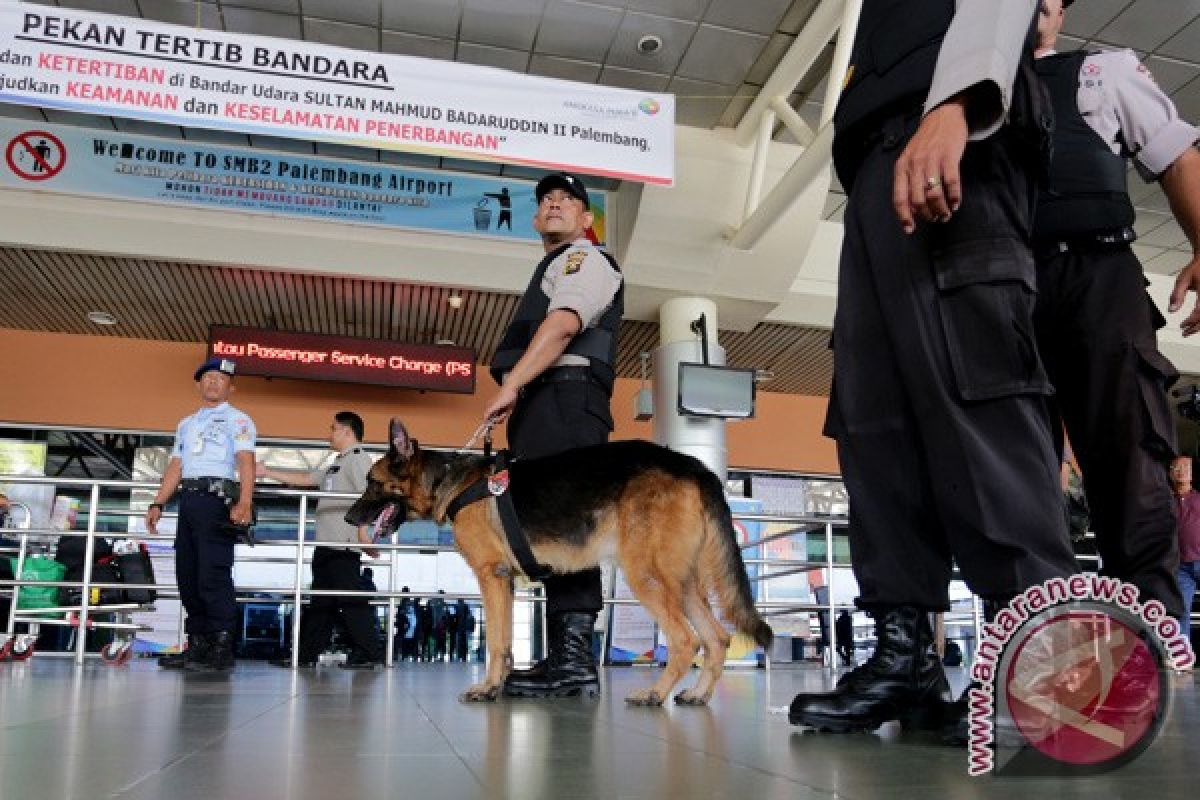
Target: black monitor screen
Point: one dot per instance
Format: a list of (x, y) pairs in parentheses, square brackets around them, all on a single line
[(708, 391)]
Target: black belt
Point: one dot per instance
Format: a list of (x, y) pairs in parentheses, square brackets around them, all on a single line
[(1091, 242), (222, 487), (562, 374)]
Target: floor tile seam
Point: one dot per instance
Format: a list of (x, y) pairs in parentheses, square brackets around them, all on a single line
[(199, 748), (446, 739)]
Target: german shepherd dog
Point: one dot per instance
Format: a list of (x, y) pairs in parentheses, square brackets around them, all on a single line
[(660, 513)]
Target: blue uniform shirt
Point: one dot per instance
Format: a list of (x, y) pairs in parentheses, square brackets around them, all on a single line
[(208, 442)]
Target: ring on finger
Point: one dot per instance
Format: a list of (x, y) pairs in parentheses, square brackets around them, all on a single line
[(932, 183)]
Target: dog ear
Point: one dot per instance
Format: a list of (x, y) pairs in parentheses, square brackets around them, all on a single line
[(401, 442)]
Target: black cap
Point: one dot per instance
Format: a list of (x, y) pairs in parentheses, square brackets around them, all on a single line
[(218, 364), (1067, 3), (571, 184)]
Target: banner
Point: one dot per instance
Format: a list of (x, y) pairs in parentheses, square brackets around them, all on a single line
[(109, 65), (26, 458), (96, 163)]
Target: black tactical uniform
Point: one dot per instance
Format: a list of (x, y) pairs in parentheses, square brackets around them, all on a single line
[(1096, 332), (939, 399)]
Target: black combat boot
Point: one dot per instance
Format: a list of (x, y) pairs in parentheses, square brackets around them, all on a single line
[(220, 654), (195, 652), (569, 669), (903, 680)]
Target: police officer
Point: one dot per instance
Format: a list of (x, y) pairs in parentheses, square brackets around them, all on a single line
[(337, 567), (555, 370), (212, 448), (938, 400), (1095, 322)]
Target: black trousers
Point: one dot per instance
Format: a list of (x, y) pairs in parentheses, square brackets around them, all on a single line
[(204, 564), (939, 398), (550, 418), (334, 568), (1096, 331)]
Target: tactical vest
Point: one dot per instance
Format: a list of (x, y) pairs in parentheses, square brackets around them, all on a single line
[(598, 344), (891, 68), (1086, 192)]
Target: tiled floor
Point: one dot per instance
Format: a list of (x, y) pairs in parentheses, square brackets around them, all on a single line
[(263, 733)]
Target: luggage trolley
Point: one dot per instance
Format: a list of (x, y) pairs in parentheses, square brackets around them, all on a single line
[(20, 646)]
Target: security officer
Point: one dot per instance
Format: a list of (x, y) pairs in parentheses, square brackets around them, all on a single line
[(555, 370), (212, 447), (1095, 322), (938, 400), (337, 567)]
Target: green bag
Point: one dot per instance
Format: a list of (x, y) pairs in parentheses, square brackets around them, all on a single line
[(39, 568)]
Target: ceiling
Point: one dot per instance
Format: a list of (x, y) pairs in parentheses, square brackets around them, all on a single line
[(172, 301), (716, 56)]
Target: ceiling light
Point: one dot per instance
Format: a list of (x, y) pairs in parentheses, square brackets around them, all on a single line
[(101, 318), (649, 44), (455, 300), (763, 376), (445, 342)]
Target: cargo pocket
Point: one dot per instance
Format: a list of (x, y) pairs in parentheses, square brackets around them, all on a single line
[(1154, 374), (986, 292)]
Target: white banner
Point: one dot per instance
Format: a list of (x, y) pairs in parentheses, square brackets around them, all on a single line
[(108, 65)]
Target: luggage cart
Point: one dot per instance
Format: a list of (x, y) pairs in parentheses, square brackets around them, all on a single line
[(20, 646)]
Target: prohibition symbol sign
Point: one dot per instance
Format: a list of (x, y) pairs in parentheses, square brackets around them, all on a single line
[(36, 155)]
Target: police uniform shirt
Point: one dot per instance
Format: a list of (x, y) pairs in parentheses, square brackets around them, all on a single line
[(984, 44), (583, 281), (1125, 107), (347, 473), (207, 442)]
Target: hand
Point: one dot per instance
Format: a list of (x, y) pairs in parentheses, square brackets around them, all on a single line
[(365, 538), (153, 515), (241, 513), (1188, 280), (501, 405), (260, 469), (927, 183)]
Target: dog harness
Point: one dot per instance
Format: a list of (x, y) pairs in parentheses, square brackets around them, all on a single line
[(495, 484)]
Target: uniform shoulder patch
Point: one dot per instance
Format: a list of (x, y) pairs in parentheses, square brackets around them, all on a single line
[(575, 260)]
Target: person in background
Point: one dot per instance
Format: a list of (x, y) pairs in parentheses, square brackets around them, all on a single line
[(337, 567), (212, 448), (1187, 508)]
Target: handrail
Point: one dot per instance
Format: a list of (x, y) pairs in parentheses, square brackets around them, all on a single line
[(296, 593)]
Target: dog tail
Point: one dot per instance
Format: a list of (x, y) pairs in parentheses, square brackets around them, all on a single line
[(726, 572)]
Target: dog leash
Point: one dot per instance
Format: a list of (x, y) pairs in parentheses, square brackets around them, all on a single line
[(485, 430)]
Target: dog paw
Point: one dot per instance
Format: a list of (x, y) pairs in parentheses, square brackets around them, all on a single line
[(645, 697), (690, 698), (480, 693)]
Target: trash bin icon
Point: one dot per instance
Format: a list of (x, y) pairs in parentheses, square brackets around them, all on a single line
[(483, 216)]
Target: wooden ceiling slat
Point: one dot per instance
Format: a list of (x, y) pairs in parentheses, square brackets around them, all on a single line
[(41, 290)]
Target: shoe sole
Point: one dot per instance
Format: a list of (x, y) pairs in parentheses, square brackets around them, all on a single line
[(833, 725)]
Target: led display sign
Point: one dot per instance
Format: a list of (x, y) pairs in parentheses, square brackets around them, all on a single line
[(312, 356)]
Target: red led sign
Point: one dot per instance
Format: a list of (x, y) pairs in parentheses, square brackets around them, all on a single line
[(313, 356)]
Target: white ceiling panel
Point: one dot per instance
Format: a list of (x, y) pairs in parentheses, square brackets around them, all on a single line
[(1085, 19), (675, 34), (1171, 74), (756, 16), (358, 12), (501, 57), (1185, 44), (633, 79), (408, 44), (699, 103), (564, 68), (577, 30), (512, 24), (1146, 24), (148, 128), (341, 34), (183, 12), (280, 6), (427, 17), (263, 23), (213, 136), (720, 55), (126, 8), (680, 9)]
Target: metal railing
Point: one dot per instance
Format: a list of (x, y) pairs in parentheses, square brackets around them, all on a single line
[(767, 568)]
